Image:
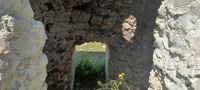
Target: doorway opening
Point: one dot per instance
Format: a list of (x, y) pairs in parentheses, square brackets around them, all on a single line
[(90, 65)]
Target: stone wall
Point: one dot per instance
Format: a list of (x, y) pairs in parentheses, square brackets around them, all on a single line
[(21, 42), (177, 46), (126, 26)]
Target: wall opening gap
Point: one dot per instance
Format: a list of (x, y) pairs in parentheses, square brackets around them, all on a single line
[(90, 65)]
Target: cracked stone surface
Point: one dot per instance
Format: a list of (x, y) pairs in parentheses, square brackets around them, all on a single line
[(23, 65), (176, 58)]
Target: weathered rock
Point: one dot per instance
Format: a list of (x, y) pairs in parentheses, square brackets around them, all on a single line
[(84, 17), (75, 15), (21, 42), (176, 58), (110, 21), (80, 25), (126, 26), (97, 20)]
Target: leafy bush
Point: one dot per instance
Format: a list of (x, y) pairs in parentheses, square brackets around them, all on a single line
[(89, 72), (84, 68)]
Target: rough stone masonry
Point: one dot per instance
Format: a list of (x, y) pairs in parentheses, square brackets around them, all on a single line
[(126, 26)]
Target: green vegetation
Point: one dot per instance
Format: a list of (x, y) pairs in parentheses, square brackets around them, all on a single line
[(118, 84), (90, 68), (90, 65), (88, 73)]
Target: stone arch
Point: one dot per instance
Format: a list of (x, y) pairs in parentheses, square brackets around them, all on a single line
[(71, 22)]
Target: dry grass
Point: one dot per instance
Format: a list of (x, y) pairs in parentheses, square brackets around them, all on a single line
[(91, 47)]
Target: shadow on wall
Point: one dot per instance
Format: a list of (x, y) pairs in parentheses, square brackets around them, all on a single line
[(145, 12), (126, 26), (138, 52)]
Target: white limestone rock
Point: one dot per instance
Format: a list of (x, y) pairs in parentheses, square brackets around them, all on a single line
[(21, 42), (176, 58)]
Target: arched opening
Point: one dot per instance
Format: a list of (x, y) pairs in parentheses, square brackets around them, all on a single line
[(90, 65)]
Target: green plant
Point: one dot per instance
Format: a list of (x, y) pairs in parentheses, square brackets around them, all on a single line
[(99, 65), (89, 72), (84, 67), (115, 84)]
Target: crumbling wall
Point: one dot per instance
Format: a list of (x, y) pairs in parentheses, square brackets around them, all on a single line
[(176, 58), (126, 26), (21, 42)]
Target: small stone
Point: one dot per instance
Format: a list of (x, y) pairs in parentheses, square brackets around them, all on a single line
[(97, 20), (63, 17), (106, 27), (50, 14), (101, 11), (79, 32), (84, 17), (126, 25), (80, 25), (67, 26), (75, 15), (54, 28), (110, 21)]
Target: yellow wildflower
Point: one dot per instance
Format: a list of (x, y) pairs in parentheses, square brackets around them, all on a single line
[(120, 83), (123, 74), (120, 76), (99, 82), (129, 88)]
